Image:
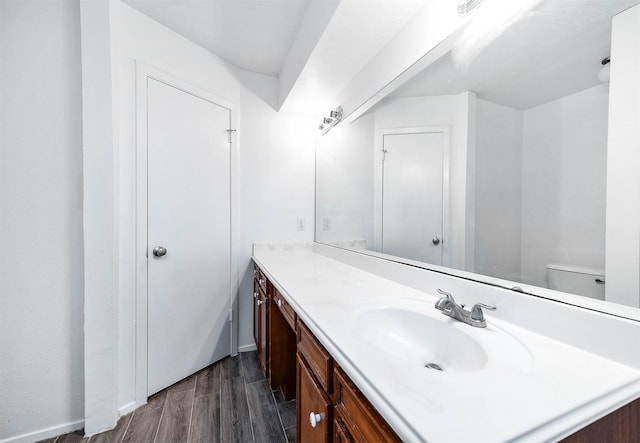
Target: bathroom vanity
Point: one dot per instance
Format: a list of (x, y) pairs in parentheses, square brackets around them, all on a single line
[(329, 406), (370, 358)]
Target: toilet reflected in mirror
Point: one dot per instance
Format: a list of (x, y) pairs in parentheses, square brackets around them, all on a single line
[(576, 280)]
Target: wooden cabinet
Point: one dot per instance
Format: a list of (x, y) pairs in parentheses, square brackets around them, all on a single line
[(282, 346), (263, 325), (274, 333), (621, 426), (353, 418), (341, 432), (313, 408), (256, 312), (357, 420), (261, 318), (315, 386), (294, 360)]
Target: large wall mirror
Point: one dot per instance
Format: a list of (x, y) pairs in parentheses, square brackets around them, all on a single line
[(491, 161)]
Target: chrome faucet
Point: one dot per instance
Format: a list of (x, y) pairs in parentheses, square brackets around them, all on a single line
[(475, 317)]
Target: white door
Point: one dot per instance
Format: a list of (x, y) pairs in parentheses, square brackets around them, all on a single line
[(412, 196), (189, 216)]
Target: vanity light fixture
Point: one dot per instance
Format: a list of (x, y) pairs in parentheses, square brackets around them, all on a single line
[(467, 6), (329, 122)]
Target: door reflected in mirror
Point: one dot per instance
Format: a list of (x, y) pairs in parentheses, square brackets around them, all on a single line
[(412, 194)]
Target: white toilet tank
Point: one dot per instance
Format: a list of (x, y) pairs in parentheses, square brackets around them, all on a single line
[(576, 280)]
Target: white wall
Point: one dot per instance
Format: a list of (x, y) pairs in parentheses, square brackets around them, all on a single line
[(498, 190), (623, 162), (344, 177), (41, 267), (453, 112), (277, 153), (41, 171), (564, 183), (276, 163)]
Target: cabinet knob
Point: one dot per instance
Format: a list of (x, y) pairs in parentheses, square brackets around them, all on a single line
[(280, 303), (255, 272), (255, 295), (261, 281), (315, 419), (259, 302)]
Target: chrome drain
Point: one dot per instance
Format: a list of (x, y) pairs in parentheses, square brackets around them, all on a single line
[(435, 366)]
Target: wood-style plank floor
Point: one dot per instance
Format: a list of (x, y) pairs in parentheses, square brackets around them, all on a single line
[(229, 401)]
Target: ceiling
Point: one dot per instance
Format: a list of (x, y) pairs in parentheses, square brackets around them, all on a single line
[(314, 47), (357, 32), (551, 51), (254, 35)]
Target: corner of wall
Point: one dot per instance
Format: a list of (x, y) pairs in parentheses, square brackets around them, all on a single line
[(622, 256), (468, 107), (263, 86), (99, 247)]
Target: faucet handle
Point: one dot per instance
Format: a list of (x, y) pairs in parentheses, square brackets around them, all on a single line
[(446, 294), (476, 311)]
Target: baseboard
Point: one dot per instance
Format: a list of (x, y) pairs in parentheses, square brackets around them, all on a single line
[(247, 348), (124, 410), (42, 434)]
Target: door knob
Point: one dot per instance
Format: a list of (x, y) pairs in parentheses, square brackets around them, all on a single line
[(435, 240), (159, 251)]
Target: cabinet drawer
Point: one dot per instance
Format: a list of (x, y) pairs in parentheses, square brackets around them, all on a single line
[(316, 356), (287, 311), (358, 415)]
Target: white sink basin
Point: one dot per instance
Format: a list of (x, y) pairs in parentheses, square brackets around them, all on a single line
[(422, 340)]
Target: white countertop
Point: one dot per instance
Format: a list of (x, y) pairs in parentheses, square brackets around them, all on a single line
[(534, 389)]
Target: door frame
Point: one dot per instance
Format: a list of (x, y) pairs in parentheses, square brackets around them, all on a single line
[(143, 73), (378, 167)]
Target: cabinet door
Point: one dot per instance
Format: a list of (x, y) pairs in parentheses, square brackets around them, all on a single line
[(263, 328), (311, 399), (341, 432), (256, 314)]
